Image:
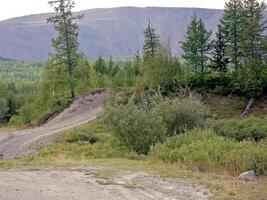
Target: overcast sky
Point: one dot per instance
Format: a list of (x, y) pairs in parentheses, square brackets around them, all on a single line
[(15, 8)]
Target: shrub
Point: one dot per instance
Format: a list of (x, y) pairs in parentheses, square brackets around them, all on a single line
[(81, 135), (135, 128), (204, 150), (160, 70), (16, 121), (254, 128), (180, 115)]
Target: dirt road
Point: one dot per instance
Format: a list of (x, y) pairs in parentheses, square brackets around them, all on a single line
[(94, 184), (85, 108)]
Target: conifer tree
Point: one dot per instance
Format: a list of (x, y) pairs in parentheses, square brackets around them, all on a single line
[(254, 27), (219, 58), (190, 46), (66, 43), (204, 45), (196, 48), (151, 45), (100, 66), (232, 27)]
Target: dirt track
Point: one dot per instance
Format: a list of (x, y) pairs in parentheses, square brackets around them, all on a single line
[(17, 143), (94, 184)]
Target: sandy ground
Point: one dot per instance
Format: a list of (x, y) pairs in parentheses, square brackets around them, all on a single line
[(85, 108), (94, 184)]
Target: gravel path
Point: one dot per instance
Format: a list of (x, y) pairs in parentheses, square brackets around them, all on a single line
[(85, 108)]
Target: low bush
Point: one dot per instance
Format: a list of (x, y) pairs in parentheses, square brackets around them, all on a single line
[(181, 114), (81, 135), (254, 128), (91, 141), (16, 121), (205, 151), (136, 128)]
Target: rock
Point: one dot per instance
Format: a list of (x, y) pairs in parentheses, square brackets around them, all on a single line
[(248, 176)]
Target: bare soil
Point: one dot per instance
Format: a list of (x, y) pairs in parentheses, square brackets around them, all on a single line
[(14, 144), (94, 184)]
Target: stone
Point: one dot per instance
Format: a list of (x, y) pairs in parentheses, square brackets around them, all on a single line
[(248, 176)]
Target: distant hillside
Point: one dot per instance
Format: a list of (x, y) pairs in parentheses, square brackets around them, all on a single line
[(116, 31), (2, 59)]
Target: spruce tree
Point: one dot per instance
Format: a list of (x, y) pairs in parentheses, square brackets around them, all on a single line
[(197, 46), (253, 35), (253, 47), (100, 66), (219, 58), (66, 43), (151, 45), (232, 27), (204, 45), (190, 46)]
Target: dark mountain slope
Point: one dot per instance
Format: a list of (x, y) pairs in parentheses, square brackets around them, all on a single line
[(115, 31)]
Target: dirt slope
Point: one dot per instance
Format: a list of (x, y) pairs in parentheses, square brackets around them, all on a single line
[(85, 108)]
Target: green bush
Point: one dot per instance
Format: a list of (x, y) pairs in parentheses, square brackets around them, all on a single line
[(81, 135), (254, 128), (135, 128), (16, 121), (180, 115), (205, 151)]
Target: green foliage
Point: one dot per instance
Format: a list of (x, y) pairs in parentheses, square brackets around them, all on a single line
[(3, 108), (219, 57), (81, 135), (135, 128), (197, 45), (160, 71), (17, 71), (148, 99), (254, 128), (89, 141), (232, 27), (205, 151), (100, 66), (180, 115), (66, 44), (151, 42), (16, 121)]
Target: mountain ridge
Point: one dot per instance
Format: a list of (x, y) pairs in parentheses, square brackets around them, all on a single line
[(103, 31)]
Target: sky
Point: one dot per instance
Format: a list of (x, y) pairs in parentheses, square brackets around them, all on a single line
[(16, 8)]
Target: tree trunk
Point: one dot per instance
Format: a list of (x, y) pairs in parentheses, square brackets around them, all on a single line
[(248, 108)]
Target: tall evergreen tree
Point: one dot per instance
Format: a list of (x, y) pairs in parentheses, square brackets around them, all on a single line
[(190, 46), (253, 47), (197, 45), (255, 25), (66, 43), (232, 27), (100, 66), (219, 58), (151, 42), (204, 45)]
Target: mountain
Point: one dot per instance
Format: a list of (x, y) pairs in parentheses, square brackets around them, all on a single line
[(114, 31), (2, 59)]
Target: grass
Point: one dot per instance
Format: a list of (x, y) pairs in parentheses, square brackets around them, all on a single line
[(233, 106), (106, 152)]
